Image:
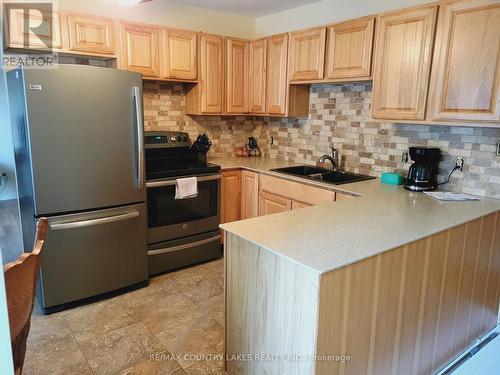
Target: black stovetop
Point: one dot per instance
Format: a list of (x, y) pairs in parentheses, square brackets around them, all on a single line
[(167, 168), (169, 155)]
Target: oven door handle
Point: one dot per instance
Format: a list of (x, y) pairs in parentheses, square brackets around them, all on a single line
[(185, 246), (153, 184)]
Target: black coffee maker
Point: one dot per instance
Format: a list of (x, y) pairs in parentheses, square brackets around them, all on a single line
[(422, 175)]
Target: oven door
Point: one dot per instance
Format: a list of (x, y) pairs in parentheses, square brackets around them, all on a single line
[(170, 218)]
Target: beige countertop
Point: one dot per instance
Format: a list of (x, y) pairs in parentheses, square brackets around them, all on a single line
[(333, 235)]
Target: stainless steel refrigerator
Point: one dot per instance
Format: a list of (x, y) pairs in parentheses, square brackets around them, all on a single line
[(78, 141)]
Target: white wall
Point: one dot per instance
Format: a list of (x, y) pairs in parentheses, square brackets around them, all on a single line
[(325, 12), (163, 12)]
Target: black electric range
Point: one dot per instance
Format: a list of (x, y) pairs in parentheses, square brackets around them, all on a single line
[(181, 232)]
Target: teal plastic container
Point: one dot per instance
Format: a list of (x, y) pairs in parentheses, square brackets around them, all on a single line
[(392, 178)]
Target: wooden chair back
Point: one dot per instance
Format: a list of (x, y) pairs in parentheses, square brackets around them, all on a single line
[(20, 283)]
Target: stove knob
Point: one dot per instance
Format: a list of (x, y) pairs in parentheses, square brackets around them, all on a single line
[(184, 138), (179, 138), (172, 138)]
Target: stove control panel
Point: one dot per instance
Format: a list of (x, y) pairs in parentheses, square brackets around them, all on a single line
[(166, 139)]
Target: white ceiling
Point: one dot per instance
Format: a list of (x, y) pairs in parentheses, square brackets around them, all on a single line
[(251, 8)]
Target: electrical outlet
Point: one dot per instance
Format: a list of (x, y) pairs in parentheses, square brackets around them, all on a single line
[(460, 163), (404, 157)]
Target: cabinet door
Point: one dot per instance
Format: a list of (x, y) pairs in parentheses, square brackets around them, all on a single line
[(140, 49), (307, 54), (272, 204), (402, 63), (466, 69), (230, 196), (91, 34), (277, 50), (237, 59), (349, 49), (48, 33), (257, 69), (298, 205), (249, 194), (296, 191), (180, 54), (342, 197), (211, 82)]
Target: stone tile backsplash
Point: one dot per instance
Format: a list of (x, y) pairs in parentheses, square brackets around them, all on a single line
[(339, 117), (164, 109)]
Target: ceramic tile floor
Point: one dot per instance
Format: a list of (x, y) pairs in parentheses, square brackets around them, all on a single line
[(178, 313)]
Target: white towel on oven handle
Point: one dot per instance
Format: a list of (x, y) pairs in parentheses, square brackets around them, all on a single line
[(186, 188)]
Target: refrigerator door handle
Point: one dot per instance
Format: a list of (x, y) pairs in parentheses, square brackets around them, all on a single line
[(92, 222), (140, 136)]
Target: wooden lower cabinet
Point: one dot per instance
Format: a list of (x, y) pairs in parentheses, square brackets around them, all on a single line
[(230, 209), (341, 197), (272, 204), (249, 194), (230, 192), (410, 310), (297, 205), (296, 191), (246, 194), (278, 195)]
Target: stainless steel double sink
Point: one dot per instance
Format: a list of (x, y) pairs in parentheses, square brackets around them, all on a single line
[(322, 174)]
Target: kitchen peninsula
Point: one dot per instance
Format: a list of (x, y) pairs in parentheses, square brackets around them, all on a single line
[(388, 282)]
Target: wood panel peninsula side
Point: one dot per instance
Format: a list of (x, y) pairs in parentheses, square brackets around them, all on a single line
[(405, 309)]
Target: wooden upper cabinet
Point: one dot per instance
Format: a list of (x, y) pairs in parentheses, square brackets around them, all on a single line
[(140, 49), (48, 34), (257, 72), (465, 82), (276, 80), (307, 54), (403, 55), (180, 54), (211, 83), (349, 49), (90, 34), (237, 60)]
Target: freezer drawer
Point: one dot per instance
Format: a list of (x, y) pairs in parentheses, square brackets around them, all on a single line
[(92, 253), (170, 255)]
